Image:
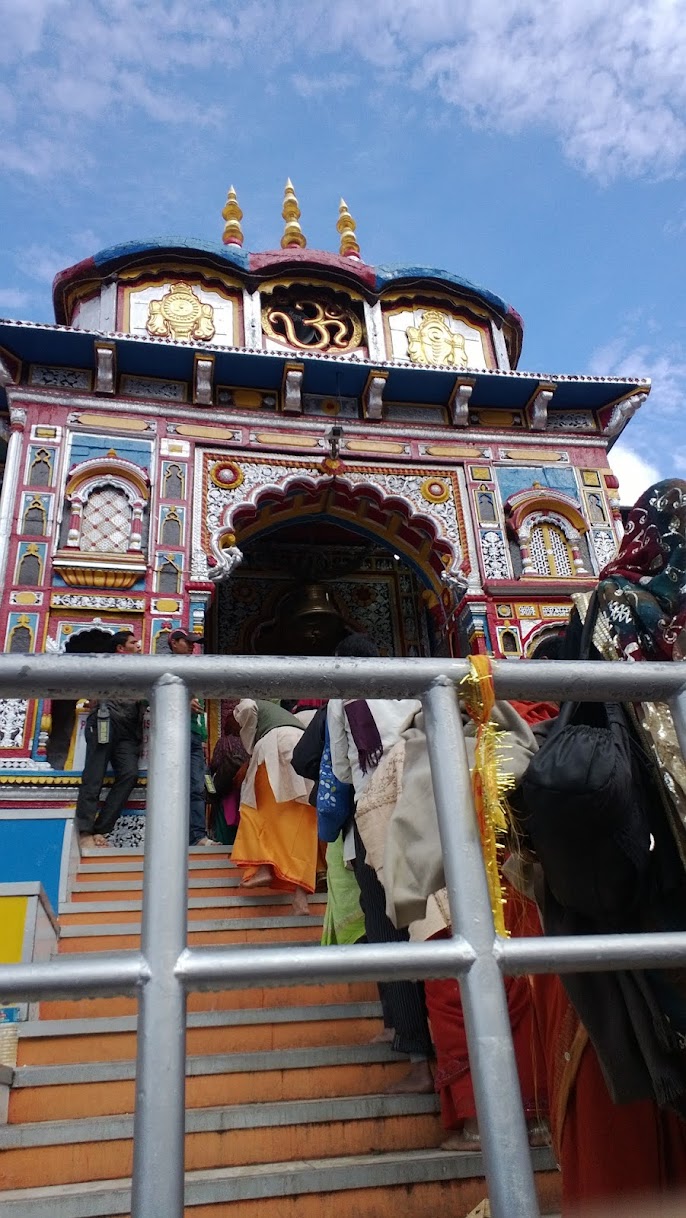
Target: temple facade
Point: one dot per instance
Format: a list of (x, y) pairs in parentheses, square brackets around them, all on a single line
[(272, 449)]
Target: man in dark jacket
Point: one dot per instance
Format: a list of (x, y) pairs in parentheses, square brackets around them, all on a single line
[(113, 737)]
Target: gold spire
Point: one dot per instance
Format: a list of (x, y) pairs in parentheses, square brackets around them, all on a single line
[(292, 233), (233, 233), (346, 227)]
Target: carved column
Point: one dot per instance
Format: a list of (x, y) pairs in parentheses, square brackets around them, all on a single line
[(9, 486)]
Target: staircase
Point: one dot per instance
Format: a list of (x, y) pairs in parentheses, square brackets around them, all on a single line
[(285, 1111)]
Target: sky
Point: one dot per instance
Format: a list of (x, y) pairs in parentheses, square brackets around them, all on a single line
[(536, 147)]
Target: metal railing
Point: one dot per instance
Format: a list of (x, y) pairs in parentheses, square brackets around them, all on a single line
[(165, 969)]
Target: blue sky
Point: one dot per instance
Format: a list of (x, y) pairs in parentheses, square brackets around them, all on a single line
[(537, 147)]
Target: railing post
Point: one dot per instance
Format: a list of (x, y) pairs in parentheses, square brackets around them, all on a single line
[(158, 1162), (677, 705), (502, 1127)]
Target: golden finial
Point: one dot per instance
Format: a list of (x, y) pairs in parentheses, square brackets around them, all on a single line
[(292, 233), (346, 227), (233, 233)]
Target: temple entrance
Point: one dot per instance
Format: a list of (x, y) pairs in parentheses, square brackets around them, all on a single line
[(301, 588)]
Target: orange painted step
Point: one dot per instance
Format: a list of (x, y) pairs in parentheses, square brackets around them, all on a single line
[(203, 938), (203, 914), (244, 1038), (65, 1101), (107, 1160), (222, 1000), (222, 870)]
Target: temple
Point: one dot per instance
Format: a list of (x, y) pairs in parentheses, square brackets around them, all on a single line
[(272, 449)]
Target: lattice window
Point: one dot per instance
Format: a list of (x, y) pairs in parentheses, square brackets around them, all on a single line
[(550, 551), (40, 473), (21, 640), (30, 569), (171, 529), (35, 519), (168, 578), (173, 483), (106, 523)]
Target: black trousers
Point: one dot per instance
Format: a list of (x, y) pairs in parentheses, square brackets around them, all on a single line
[(403, 1002), (122, 751)]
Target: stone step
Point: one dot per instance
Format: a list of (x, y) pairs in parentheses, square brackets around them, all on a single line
[(231, 883), (86, 1089), (424, 1182), (223, 1136), (276, 906), (52, 1042), (220, 1000), (137, 852), (116, 866), (125, 936)]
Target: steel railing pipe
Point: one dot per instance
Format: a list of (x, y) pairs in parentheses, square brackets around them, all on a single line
[(159, 1119), (502, 1126), (50, 676), (230, 968), (99, 974), (592, 953)]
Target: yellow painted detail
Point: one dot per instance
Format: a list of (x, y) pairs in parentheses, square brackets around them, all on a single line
[(288, 439), (12, 923), (247, 399), (205, 433), (167, 605), (26, 598), (112, 422), (374, 446)]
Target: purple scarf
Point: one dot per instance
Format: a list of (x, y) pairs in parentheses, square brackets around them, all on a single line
[(365, 733)]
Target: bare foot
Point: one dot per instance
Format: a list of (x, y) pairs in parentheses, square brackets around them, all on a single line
[(385, 1037), (418, 1081), (204, 841), (538, 1130), (261, 879), (91, 841), (300, 906), (466, 1138)]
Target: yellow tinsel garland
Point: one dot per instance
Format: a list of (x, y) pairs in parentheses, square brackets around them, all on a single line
[(490, 782)]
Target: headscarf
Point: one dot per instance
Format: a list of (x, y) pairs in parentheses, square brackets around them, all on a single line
[(643, 590)]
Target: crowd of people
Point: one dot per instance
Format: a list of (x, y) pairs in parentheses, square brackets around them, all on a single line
[(343, 789)]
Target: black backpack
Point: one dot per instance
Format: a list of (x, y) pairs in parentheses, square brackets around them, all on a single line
[(582, 806)]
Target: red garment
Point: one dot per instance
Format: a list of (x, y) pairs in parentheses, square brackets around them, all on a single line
[(623, 1152), (536, 712), (453, 1077)]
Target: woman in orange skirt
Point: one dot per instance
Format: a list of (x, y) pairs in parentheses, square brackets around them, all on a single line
[(277, 842)]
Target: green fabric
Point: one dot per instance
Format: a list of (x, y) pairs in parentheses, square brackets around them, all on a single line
[(199, 723), (271, 715), (343, 920)]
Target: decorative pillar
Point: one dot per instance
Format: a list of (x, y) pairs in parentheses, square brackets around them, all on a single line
[(136, 536), (9, 485), (74, 534)]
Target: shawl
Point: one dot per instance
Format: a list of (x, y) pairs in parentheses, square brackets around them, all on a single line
[(413, 857), (642, 592), (365, 733)]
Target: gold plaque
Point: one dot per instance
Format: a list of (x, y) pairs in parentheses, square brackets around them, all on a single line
[(180, 314), (433, 342)]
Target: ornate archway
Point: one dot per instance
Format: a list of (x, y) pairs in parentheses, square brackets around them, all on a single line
[(414, 513)]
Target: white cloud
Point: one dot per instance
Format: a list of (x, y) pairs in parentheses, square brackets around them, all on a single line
[(12, 298), (605, 78), (634, 473)]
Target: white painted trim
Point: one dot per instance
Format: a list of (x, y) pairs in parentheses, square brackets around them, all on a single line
[(37, 814), (8, 496), (500, 347)]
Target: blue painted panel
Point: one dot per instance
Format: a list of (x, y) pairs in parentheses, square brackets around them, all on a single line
[(514, 478), (85, 448), (32, 850)]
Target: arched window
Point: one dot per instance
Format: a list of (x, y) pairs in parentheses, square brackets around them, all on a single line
[(550, 552), (35, 519), (171, 529), (40, 473), (162, 642), (509, 643), (30, 568), (173, 482), (21, 639), (106, 521), (168, 576)]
